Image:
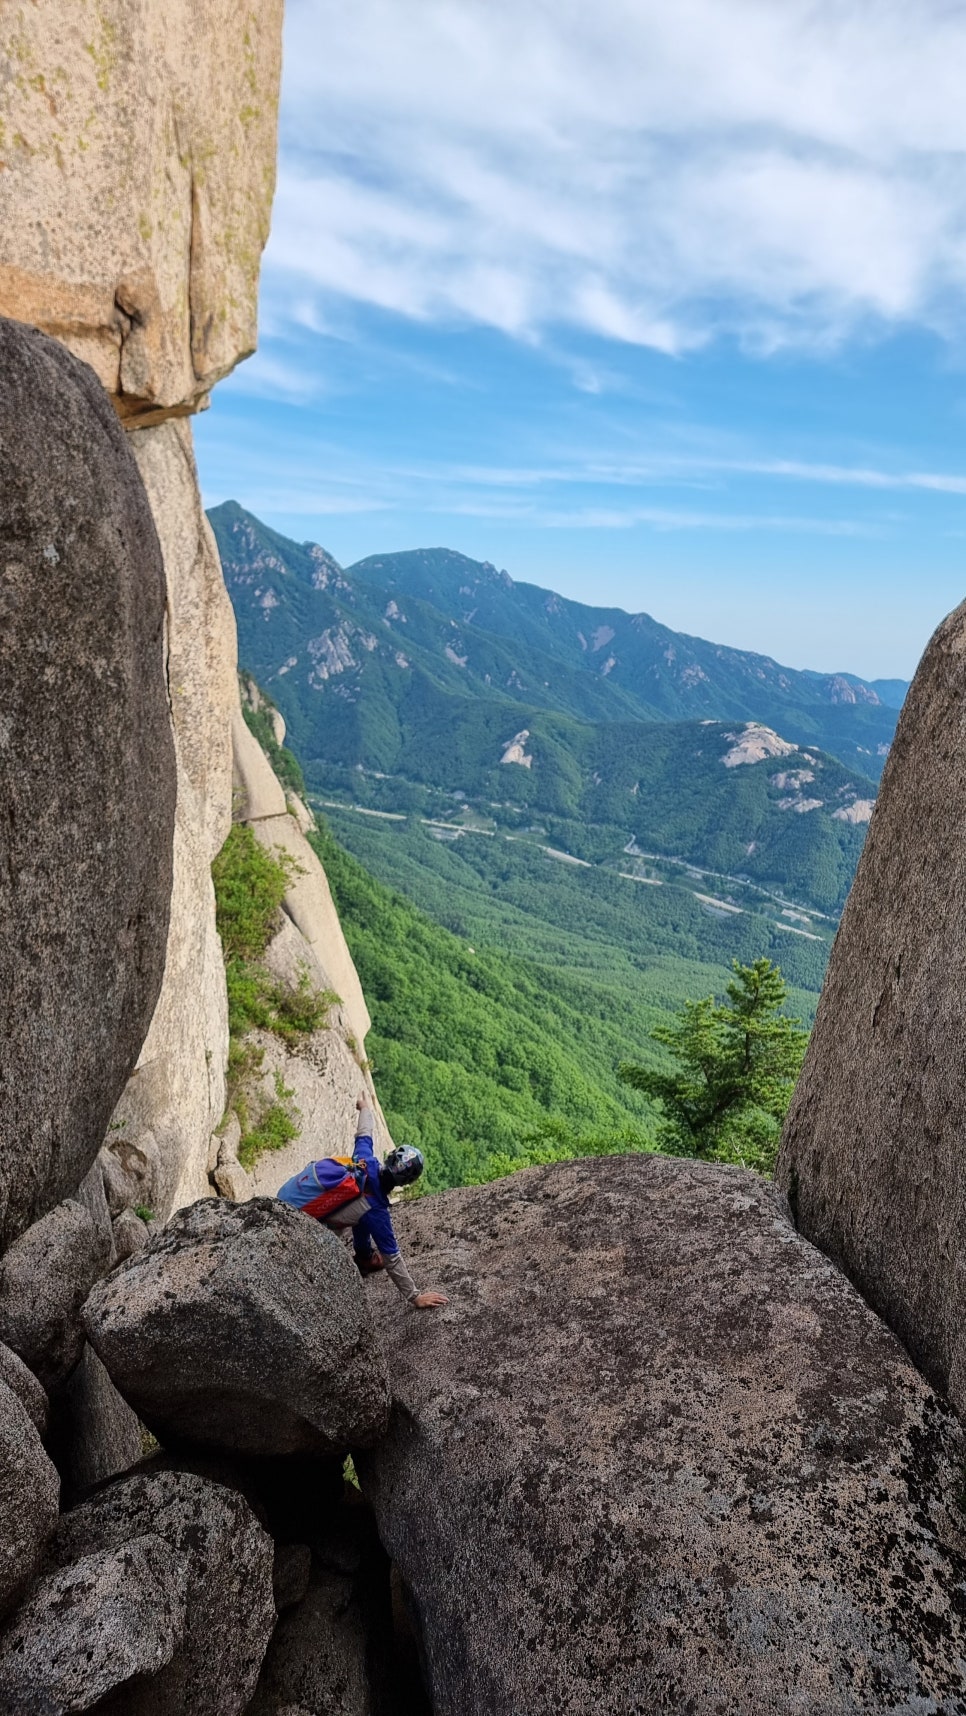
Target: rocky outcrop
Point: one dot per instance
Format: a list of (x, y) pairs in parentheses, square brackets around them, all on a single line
[(86, 770), (226, 1557), (872, 1152), (658, 1454), (177, 1094), (317, 1660), (102, 1626), (94, 1435), (243, 1328), (138, 172), (22, 1382), (45, 1276), (29, 1494)]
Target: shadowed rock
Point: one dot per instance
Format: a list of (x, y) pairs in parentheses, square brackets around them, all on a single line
[(44, 1279), (243, 1328), (25, 1386), (872, 1152), (86, 771), (228, 1609), (94, 1435), (657, 1454), (29, 1493), (93, 1628)]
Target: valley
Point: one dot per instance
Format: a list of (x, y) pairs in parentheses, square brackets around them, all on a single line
[(546, 826)]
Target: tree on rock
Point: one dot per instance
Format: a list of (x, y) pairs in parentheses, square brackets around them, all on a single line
[(736, 1066)]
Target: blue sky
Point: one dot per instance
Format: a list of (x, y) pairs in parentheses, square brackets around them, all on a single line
[(659, 306)]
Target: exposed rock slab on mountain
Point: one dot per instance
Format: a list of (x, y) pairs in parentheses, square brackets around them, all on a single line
[(228, 1609), (177, 1093), (29, 1492), (139, 171), (657, 1454), (243, 1328), (86, 770), (872, 1153)]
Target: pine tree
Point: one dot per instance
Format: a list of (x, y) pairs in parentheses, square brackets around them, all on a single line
[(737, 1063)]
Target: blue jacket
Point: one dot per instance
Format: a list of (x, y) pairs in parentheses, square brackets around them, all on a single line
[(375, 1227)]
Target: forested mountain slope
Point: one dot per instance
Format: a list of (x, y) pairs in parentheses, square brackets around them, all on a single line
[(434, 618), (394, 703)]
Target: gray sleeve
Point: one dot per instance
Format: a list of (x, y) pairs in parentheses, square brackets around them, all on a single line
[(366, 1123), (400, 1276)]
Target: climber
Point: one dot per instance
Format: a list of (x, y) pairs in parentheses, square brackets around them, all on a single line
[(373, 1240)]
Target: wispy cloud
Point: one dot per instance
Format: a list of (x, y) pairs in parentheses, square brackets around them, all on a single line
[(786, 173)]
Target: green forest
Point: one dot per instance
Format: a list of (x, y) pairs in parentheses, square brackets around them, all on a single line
[(498, 1041)]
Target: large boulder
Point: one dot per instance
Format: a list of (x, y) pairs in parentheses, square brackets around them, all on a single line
[(94, 1435), (25, 1386), (228, 1608), (657, 1454), (139, 168), (243, 1328), (317, 1661), (29, 1494), (87, 778), (101, 1626), (872, 1152), (45, 1276)]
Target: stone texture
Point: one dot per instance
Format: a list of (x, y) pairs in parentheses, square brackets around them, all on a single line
[(94, 1435), (177, 1092), (229, 1612), (91, 1629), (29, 1492), (657, 1454), (45, 1276), (138, 169), (92, 1194), (317, 1661), (872, 1154), (86, 769), (256, 791), (22, 1382), (233, 1181), (131, 1171), (243, 1328), (130, 1234), (290, 1576)]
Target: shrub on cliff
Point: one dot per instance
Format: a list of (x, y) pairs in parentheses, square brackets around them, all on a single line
[(737, 1063)]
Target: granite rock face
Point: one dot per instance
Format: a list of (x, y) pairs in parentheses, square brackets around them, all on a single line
[(94, 1435), (657, 1454), (177, 1093), (98, 1627), (139, 172), (29, 1493), (25, 1386), (872, 1151), (87, 777), (243, 1328), (317, 1660), (45, 1276), (228, 1609)]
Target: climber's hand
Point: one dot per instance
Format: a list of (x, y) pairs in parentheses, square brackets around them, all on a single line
[(361, 1102), (426, 1301)]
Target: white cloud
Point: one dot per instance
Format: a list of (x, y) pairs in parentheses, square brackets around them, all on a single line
[(785, 170)]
